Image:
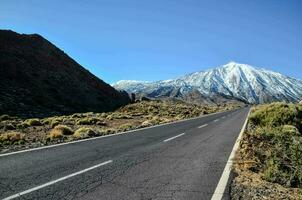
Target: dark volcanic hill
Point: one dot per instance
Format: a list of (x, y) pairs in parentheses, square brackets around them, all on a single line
[(38, 79)]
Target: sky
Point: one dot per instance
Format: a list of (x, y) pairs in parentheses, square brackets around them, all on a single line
[(163, 39)]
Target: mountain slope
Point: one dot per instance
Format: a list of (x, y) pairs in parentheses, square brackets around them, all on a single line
[(233, 80), (38, 79)]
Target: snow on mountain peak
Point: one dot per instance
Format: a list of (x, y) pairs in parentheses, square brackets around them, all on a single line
[(252, 84)]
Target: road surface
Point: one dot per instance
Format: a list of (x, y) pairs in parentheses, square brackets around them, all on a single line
[(182, 160)]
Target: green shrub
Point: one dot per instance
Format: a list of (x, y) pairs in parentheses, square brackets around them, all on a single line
[(279, 153), (277, 114), (33, 122), (84, 132)]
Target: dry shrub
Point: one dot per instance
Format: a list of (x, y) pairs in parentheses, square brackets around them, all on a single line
[(12, 138), (60, 131), (84, 132)]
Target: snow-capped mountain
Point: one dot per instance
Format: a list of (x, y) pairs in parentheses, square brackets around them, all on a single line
[(234, 80)]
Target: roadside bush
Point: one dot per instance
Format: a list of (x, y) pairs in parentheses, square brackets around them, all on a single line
[(55, 134), (12, 138), (277, 114), (279, 152), (64, 130), (84, 132)]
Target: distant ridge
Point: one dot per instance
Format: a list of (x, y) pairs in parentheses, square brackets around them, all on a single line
[(233, 80), (38, 79)]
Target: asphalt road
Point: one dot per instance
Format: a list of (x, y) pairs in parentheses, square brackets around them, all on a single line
[(182, 160)]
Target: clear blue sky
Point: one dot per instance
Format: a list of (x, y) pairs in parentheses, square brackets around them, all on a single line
[(163, 39)]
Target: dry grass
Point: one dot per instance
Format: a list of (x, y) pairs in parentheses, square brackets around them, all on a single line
[(60, 131), (12, 137)]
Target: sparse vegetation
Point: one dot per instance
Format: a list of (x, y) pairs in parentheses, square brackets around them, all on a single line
[(277, 114), (84, 132), (88, 121), (271, 149), (140, 114)]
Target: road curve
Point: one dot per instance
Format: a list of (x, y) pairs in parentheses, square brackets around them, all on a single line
[(182, 160)]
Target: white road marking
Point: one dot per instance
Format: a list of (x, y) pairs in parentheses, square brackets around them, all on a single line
[(223, 117), (104, 136), (166, 140), (55, 181), (202, 126), (216, 120), (219, 191)]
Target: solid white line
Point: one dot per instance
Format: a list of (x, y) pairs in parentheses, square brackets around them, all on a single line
[(216, 120), (202, 126), (219, 191), (104, 136), (55, 181), (174, 137)]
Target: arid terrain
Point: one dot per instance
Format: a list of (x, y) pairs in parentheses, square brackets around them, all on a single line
[(268, 164), (16, 133)]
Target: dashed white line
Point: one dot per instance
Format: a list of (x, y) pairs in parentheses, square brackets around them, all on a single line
[(166, 140), (223, 117), (55, 181), (216, 120), (202, 126)]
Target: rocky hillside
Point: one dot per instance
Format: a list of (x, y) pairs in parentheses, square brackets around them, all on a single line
[(230, 81), (37, 79)]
